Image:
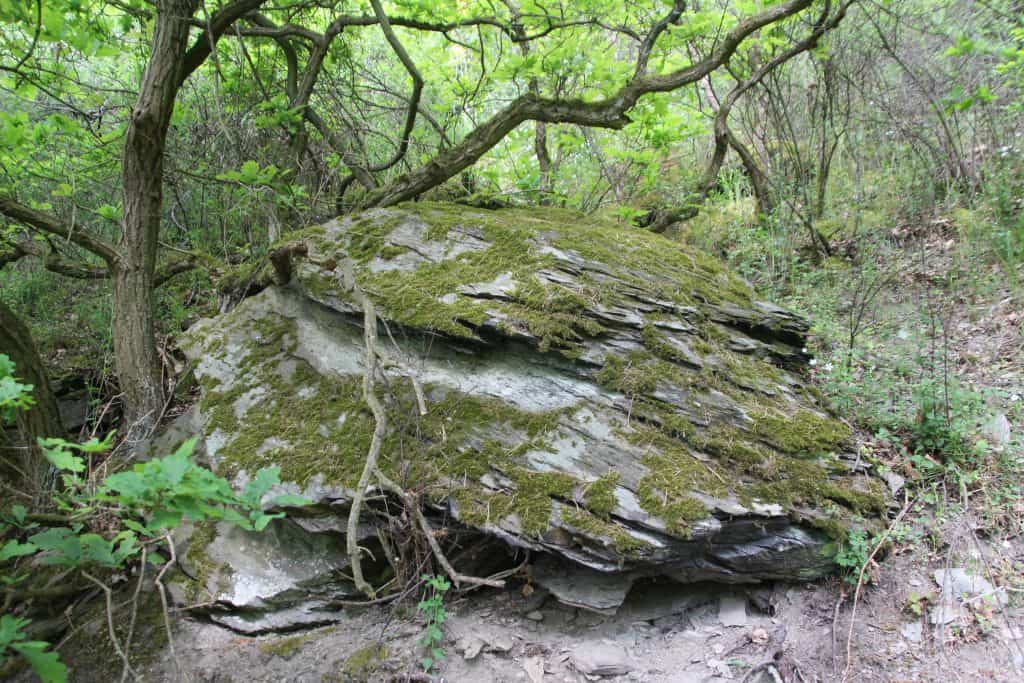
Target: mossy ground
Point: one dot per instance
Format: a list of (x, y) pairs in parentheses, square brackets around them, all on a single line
[(748, 436)]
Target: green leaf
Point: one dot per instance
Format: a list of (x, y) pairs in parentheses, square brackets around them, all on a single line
[(175, 466), (165, 519), (13, 549), (94, 445), (46, 664), (6, 366), (18, 514), (97, 550), (62, 544), (11, 629), (289, 500), (260, 484), (128, 484), (58, 452)]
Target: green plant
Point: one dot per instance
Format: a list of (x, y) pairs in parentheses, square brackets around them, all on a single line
[(853, 555), (432, 607), (43, 662), (13, 394), (140, 507), (917, 603)]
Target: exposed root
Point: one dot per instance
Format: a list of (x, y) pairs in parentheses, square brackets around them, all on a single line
[(413, 505), (860, 582), (375, 361), (110, 624), (380, 429), (172, 560), (135, 613)]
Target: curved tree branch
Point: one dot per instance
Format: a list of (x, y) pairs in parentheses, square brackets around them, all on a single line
[(678, 7), (50, 224), (218, 24), (417, 86), (610, 112)]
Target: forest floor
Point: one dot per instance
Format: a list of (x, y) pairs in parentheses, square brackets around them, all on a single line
[(905, 627)]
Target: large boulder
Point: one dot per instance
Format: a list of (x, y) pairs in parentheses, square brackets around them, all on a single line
[(598, 394)]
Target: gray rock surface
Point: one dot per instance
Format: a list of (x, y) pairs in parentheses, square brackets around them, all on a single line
[(595, 394), (602, 659)]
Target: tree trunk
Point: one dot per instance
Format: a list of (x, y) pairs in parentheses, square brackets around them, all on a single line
[(138, 365), (43, 418)]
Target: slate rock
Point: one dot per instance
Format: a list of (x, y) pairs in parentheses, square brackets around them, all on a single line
[(601, 659), (732, 610), (596, 394)]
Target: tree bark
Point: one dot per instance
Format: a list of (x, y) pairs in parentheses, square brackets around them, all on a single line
[(43, 418), (138, 365)]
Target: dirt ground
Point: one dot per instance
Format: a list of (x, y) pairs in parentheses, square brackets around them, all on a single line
[(664, 633)]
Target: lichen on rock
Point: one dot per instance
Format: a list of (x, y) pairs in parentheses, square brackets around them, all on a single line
[(594, 392)]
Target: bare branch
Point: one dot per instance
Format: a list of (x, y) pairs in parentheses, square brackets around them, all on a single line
[(218, 24), (50, 224), (417, 86), (678, 7)]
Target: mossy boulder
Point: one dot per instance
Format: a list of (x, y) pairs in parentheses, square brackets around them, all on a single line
[(594, 392)]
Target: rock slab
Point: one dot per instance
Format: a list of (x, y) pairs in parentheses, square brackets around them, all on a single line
[(595, 394)]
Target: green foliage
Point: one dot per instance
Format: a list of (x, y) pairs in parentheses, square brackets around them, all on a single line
[(43, 662), (164, 491), (13, 394), (147, 502), (432, 608), (853, 555)]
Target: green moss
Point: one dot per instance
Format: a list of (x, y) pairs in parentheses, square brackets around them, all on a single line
[(553, 314), (614, 535), (531, 499), (793, 481), (364, 663), (600, 495), (749, 373), (366, 236), (323, 426), (702, 347), (673, 474), (427, 297), (733, 446), (390, 251), (312, 424), (202, 565), (803, 433), (285, 648), (654, 341), (634, 375), (238, 278)]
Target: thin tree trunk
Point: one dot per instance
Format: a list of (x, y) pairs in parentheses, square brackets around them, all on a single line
[(540, 129), (43, 418), (138, 365), (758, 178), (540, 146)]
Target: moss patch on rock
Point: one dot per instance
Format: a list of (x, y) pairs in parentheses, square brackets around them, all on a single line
[(516, 243)]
